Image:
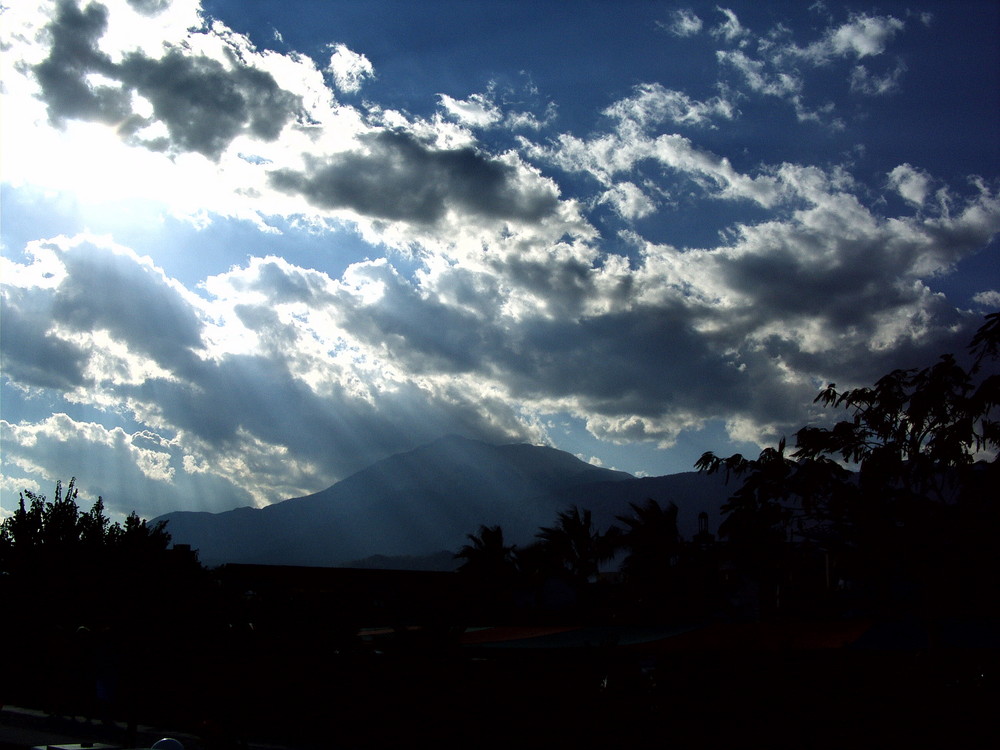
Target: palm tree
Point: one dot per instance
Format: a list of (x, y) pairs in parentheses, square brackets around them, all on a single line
[(576, 545), (486, 556), (650, 535)]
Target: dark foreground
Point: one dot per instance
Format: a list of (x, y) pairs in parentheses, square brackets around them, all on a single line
[(802, 685)]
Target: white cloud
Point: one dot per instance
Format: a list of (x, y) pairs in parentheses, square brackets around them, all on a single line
[(862, 36), (629, 201), (730, 29), (530, 120), (865, 82), (989, 298), (476, 111), (651, 104), (683, 22), (349, 69), (605, 156), (781, 83), (85, 448), (912, 184)]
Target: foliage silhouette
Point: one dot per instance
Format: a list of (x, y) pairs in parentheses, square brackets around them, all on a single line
[(575, 545), (486, 556), (92, 605), (43, 534), (912, 523), (650, 535)]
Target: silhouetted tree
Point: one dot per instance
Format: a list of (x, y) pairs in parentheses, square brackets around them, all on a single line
[(576, 545), (43, 534), (88, 602), (486, 556), (650, 535), (920, 509)]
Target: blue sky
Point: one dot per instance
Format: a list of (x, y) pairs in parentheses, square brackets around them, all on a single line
[(249, 248)]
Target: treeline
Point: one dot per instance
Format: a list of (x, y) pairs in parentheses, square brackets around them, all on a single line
[(893, 510)]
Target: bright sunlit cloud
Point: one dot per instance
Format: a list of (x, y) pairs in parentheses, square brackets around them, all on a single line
[(242, 259)]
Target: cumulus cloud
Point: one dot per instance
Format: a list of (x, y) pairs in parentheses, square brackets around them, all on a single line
[(33, 358), (317, 379), (629, 201), (988, 299), (108, 462), (912, 184), (203, 102), (349, 69), (398, 177), (759, 78)]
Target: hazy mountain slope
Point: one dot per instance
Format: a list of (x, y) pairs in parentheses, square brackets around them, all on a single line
[(426, 500)]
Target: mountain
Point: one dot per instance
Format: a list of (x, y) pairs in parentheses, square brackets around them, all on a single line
[(413, 505)]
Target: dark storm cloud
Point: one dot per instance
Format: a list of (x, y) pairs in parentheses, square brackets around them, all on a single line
[(564, 286), (645, 361), (31, 357), (203, 103), (132, 302), (73, 56), (398, 177)]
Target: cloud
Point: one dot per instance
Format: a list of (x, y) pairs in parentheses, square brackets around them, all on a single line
[(275, 373), (651, 104), (629, 201), (150, 7), (619, 152), (31, 357), (780, 83), (476, 111), (288, 414), (865, 82), (731, 29), (773, 65), (988, 299), (110, 289), (349, 69), (683, 22), (202, 102), (205, 104), (912, 184), (73, 57), (395, 176), (862, 36), (107, 462)]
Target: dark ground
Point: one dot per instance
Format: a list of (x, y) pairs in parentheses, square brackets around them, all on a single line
[(592, 697)]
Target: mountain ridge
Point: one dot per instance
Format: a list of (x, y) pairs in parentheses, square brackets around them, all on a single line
[(417, 503)]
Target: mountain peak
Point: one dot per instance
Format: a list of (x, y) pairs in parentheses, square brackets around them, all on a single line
[(413, 503)]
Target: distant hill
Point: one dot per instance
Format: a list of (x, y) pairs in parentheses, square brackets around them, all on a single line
[(414, 505)]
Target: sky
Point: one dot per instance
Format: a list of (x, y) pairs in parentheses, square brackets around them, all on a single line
[(250, 248)]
